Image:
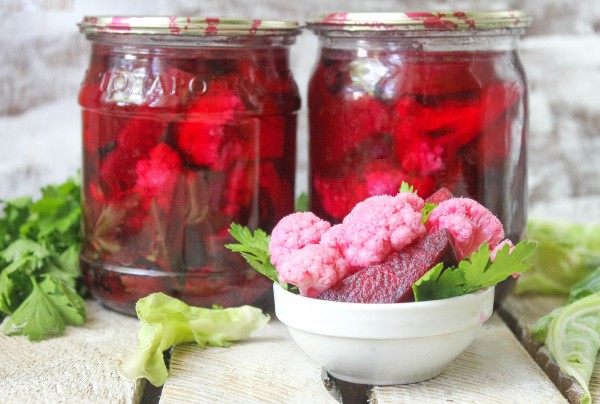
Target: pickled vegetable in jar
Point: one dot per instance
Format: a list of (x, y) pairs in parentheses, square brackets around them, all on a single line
[(435, 100), (189, 124), (432, 99)]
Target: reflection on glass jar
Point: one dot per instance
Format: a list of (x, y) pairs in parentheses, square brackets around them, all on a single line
[(436, 100), (188, 125)]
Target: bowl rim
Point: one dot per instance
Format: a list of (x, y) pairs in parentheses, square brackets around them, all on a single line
[(383, 320)]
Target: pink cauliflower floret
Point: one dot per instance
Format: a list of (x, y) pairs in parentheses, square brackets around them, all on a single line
[(376, 227), (295, 231), (157, 176), (314, 269), (469, 222)]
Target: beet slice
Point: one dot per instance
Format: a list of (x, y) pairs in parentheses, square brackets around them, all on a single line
[(391, 281), (441, 195)]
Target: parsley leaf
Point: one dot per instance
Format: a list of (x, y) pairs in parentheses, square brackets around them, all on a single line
[(255, 250), (406, 187), (39, 262), (48, 308), (302, 202), (426, 211), (432, 285), (476, 272)]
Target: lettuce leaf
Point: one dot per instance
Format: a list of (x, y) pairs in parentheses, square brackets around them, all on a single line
[(572, 332), (166, 322), (566, 253)]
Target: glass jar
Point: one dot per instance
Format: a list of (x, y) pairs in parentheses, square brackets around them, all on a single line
[(189, 124), (433, 99)]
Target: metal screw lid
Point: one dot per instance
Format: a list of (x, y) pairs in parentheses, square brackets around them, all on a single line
[(92, 25), (420, 21)]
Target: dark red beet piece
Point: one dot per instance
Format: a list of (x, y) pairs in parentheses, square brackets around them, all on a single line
[(441, 195), (391, 281)]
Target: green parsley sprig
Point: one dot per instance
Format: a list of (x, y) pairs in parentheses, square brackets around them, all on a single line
[(39, 262), (476, 272), (254, 247)]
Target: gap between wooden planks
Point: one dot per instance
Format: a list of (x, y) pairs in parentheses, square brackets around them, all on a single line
[(270, 368), (519, 313)]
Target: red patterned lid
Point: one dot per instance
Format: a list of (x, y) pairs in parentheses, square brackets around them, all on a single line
[(421, 21), (185, 26)]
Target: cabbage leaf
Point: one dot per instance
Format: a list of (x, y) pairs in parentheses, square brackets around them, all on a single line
[(166, 322), (566, 253), (572, 332)]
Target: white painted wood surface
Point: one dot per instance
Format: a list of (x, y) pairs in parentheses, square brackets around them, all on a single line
[(524, 311), (494, 369), (75, 368), (270, 368), (266, 368)]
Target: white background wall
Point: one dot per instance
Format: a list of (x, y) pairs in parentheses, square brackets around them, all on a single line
[(43, 58)]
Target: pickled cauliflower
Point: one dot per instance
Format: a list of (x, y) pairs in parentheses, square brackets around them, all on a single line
[(376, 227), (313, 268), (469, 222), (293, 232)]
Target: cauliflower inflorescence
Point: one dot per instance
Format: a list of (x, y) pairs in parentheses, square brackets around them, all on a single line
[(376, 227), (157, 176), (293, 232), (313, 268), (469, 222)]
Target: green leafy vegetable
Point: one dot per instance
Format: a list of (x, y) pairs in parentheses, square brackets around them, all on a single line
[(587, 286), (406, 187), (566, 253), (433, 285), (302, 203), (39, 262), (166, 322), (572, 332), (255, 250), (474, 273), (426, 211)]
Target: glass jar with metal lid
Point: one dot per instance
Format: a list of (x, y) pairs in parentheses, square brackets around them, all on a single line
[(435, 99), (189, 124)]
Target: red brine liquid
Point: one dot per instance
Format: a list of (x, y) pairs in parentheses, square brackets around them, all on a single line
[(432, 119), (177, 145)]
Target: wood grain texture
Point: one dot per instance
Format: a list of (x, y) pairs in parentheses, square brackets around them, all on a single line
[(266, 368), (494, 369), (520, 312), (75, 368), (269, 368)]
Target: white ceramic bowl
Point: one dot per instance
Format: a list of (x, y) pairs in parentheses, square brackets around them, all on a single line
[(383, 344)]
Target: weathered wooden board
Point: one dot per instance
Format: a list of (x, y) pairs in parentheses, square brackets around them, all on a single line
[(494, 369), (270, 368), (520, 312), (76, 368), (266, 368)]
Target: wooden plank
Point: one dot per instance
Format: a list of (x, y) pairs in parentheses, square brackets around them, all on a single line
[(75, 368), (266, 368), (270, 368), (520, 312), (494, 369)]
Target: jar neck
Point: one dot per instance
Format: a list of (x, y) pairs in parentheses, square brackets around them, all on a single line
[(194, 41), (422, 41)]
